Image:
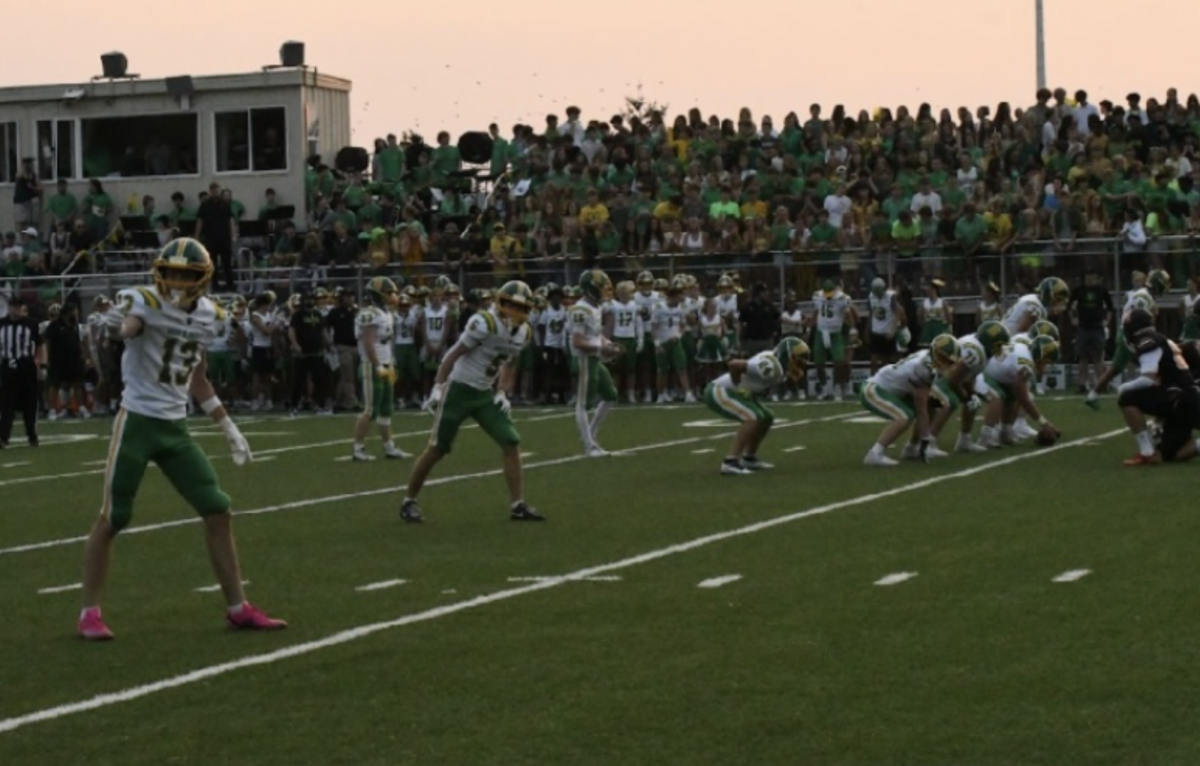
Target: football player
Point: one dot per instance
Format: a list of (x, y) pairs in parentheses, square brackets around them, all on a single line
[(436, 329), (1147, 288), (887, 317), (628, 332), (1165, 389), (373, 327), (667, 326), (646, 299), (835, 313), (1007, 382), (900, 393), (737, 394), (959, 385), (166, 329), (474, 381), (406, 326), (552, 324), (590, 348)]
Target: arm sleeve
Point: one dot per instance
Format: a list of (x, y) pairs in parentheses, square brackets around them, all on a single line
[(476, 331), (1149, 361)]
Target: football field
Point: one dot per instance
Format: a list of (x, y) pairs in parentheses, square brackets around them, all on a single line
[(1028, 606)]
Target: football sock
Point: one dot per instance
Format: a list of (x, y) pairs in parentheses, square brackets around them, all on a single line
[(1145, 443), (89, 611), (599, 416), (389, 445), (359, 446), (731, 460), (236, 610), (878, 449), (517, 504)]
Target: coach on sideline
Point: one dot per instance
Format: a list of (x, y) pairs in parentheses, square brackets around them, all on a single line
[(21, 354)]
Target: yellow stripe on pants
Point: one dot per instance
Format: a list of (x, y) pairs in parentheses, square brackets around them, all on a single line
[(110, 465), (727, 402), (883, 404)]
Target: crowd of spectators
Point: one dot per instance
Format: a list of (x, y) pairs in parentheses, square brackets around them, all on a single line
[(823, 194)]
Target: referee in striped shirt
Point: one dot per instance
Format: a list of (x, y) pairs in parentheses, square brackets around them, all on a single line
[(21, 354)]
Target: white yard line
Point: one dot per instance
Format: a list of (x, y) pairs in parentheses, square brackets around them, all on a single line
[(795, 449), (1073, 575), (705, 451), (380, 585), (21, 464), (895, 579), (306, 503), (61, 588), (346, 636), (607, 578), (717, 582)]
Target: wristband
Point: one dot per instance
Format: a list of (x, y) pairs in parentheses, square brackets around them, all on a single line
[(210, 405)]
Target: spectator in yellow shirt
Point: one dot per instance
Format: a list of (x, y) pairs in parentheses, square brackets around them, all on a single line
[(506, 253), (1000, 232), (594, 212), (669, 209), (753, 207)]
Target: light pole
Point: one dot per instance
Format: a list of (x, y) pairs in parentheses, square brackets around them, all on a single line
[(1041, 46)]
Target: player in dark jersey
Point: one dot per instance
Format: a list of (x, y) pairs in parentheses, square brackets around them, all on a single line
[(1166, 390)]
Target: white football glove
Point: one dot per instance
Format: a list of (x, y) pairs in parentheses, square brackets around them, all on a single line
[(435, 397), (237, 443), (501, 400)]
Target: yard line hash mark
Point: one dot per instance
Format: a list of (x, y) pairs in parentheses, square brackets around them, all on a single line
[(896, 579), (717, 582), (603, 578), (436, 481), (215, 588), (703, 451), (1073, 575), (61, 588), (795, 449), (21, 464), (353, 634), (380, 585)]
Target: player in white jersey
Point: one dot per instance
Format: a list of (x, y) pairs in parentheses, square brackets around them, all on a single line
[(407, 322), (475, 381), (887, 317), (552, 343), (1007, 382), (1021, 316), (591, 348), (737, 395), (166, 329), (667, 327), (835, 315), (727, 307), (374, 328), (959, 385), (108, 384), (628, 333), (260, 329), (646, 298), (1147, 289), (900, 393), (436, 334)]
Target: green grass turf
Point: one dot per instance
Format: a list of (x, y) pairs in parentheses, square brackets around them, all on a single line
[(980, 659)]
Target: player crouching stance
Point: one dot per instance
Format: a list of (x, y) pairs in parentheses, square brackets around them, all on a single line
[(166, 329), (466, 387), (1007, 383), (735, 395), (375, 327), (1165, 389), (900, 393)]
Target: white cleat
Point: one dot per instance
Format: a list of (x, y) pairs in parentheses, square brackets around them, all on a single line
[(934, 451), (911, 452), (1023, 431), (598, 452), (969, 447), (875, 459), (395, 453), (690, 398), (734, 469), (361, 456), (756, 465), (662, 399)]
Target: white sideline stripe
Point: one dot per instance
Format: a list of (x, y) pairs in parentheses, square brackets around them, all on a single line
[(257, 453), (606, 578), (380, 585), (1073, 575), (215, 588), (795, 449), (94, 462), (267, 459), (451, 590), (18, 465), (387, 490), (895, 579), (703, 451), (61, 588), (353, 634), (527, 455), (717, 582)]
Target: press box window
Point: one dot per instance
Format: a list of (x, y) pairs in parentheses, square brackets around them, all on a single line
[(129, 147), (9, 161), (251, 140)]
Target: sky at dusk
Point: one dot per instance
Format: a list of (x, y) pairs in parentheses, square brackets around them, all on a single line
[(419, 66)]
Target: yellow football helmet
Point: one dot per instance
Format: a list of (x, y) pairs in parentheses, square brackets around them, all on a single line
[(182, 271), (943, 352)]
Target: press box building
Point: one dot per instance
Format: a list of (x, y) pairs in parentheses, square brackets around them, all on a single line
[(249, 132)]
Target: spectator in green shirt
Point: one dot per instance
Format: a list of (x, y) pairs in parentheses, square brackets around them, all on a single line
[(906, 238), (391, 161), (970, 233), (726, 207), (62, 205), (446, 160)]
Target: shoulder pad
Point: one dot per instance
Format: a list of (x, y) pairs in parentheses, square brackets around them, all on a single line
[(482, 322)]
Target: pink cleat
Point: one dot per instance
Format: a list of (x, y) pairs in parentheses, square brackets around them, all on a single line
[(92, 627), (252, 618)]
